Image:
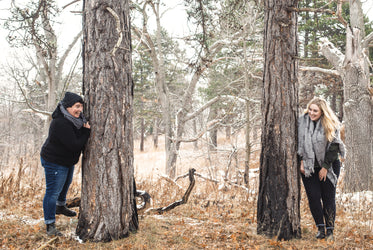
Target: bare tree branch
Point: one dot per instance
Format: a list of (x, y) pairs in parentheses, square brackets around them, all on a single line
[(319, 10), (213, 101), (333, 54), (339, 13), (367, 40), (320, 70), (210, 125), (67, 5), (66, 53), (29, 104)]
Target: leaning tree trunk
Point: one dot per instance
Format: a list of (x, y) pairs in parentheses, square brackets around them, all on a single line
[(279, 188), (108, 209)]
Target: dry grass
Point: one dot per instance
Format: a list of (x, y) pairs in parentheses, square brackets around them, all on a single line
[(214, 217)]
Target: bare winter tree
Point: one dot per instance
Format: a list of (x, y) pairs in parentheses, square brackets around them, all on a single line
[(32, 26), (41, 67), (206, 56), (279, 188), (108, 208), (353, 67)]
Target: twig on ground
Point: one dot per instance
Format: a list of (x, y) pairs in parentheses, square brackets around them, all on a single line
[(47, 244)]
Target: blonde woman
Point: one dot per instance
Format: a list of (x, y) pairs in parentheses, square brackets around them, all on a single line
[(319, 144)]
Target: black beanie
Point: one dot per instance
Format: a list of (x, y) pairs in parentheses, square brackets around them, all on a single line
[(70, 99)]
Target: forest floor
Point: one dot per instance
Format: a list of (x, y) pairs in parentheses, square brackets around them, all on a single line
[(216, 216)]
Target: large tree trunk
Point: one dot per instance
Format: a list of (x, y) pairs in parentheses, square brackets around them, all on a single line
[(279, 188), (108, 208)]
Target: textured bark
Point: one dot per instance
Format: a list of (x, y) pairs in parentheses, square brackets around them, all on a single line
[(108, 207), (213, 133), (358, 114), (142, 134), (358, 106), (279, 188), (155, 133), (353, 66)]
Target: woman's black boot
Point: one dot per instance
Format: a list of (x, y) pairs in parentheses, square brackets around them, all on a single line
[(321, 233), (329, 234)]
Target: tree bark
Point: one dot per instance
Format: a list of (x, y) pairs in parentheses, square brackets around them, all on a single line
[(213, 133), (358, 114), (279, 188), (155, 133), (353, 67), (358, 106), (142, 134), (108, 206)]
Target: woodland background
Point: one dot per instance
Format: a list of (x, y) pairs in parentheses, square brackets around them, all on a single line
[(212, 73)]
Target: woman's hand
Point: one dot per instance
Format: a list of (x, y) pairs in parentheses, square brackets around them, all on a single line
[(86, 125), (322, 174), (302, 167)]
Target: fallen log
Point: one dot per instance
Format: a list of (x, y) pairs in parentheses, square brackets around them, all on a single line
[(144, 200)]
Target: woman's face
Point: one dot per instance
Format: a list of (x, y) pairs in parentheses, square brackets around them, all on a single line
[(75, 110), (314, 112)]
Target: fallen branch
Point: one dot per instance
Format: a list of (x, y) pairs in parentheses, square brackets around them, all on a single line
[(320, 70), (185, 197), (47, 244), (196, 174)]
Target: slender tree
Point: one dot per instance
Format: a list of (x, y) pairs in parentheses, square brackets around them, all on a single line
[(108, 208), (279, 188)]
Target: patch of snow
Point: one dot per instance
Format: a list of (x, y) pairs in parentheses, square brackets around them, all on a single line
[(25, 219)]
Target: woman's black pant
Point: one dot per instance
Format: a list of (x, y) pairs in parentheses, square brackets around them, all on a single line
[(321, 198)]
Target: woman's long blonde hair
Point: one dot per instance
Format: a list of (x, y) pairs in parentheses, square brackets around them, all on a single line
[(329, 120)]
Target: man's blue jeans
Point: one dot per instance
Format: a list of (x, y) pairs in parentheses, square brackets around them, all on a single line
[(58, 179)]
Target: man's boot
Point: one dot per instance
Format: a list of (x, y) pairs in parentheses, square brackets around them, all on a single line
[(52, 230), (65, 211)]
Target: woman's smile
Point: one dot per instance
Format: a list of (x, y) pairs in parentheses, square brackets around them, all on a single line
[(314, 112)]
